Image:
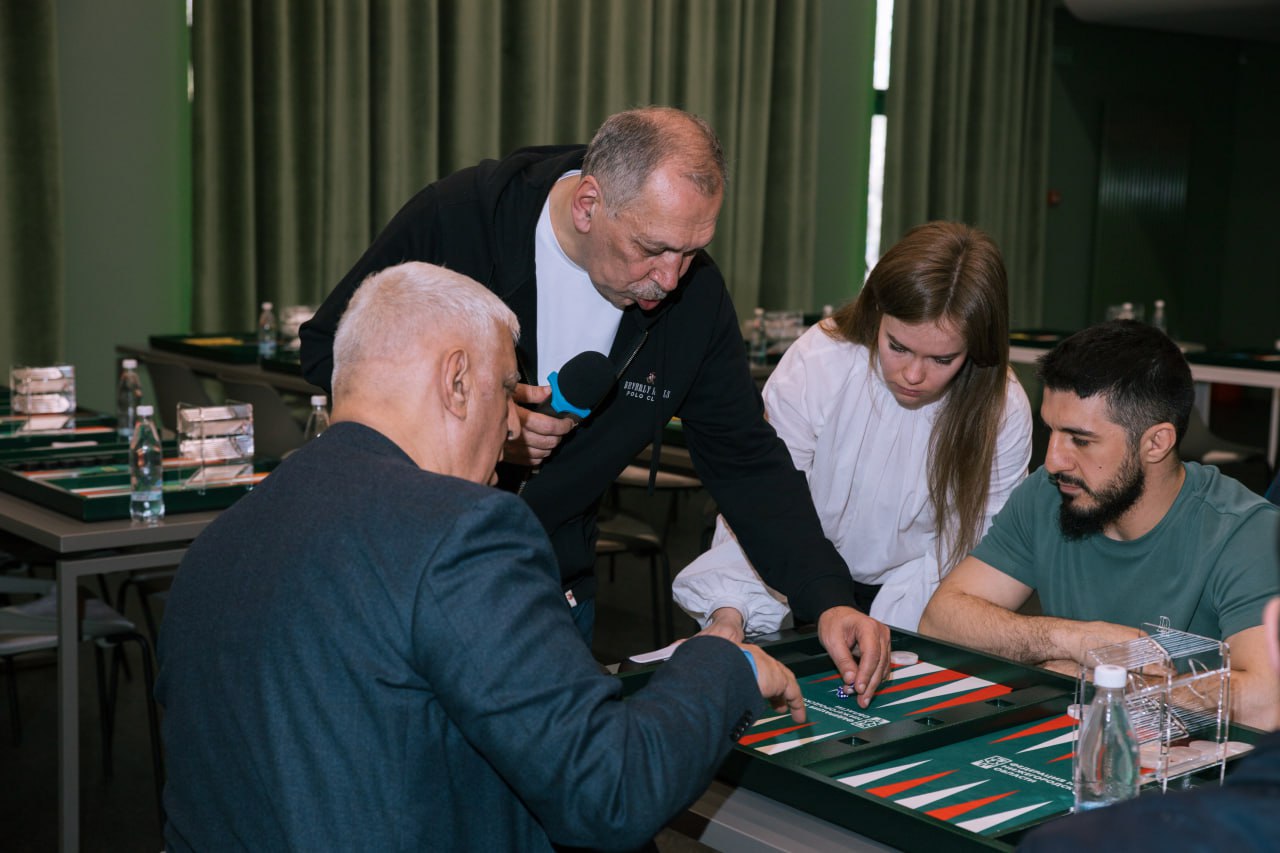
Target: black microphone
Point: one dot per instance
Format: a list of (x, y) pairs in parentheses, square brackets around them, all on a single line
[(578, 386)]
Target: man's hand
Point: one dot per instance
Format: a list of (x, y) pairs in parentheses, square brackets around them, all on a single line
[(777, 683), (1069, 668), (842, 629), (539, 434), (726, 622), (1081, 637)]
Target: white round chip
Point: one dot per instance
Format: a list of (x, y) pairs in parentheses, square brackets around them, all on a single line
[(903, 658), (1073, 711)]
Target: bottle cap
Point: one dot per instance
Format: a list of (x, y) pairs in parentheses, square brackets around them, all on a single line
[(319, 399), (1110, 675), (128, 363), (144, 411), (267, 306)]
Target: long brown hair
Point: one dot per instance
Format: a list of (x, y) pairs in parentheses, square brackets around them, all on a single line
[(948, 272)]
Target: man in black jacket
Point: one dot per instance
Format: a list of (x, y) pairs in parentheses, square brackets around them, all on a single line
[(603, 249)]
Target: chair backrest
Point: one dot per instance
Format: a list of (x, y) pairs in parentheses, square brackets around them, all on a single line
[(1201, 445), (275, 431), (174, 383)]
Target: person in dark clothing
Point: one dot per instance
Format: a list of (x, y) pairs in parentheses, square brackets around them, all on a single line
[(371, 652), (602, 248), (1240, 816)]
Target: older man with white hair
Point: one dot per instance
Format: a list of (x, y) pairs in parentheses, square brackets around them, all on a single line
[(372, 651)]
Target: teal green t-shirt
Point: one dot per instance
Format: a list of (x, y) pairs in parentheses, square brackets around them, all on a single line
[(1209, 565)]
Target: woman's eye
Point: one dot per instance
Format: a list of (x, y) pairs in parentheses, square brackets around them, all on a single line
[(896, 347)]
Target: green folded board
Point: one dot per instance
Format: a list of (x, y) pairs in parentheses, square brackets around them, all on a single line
[(230, 347), (955, 704), (95, 486)]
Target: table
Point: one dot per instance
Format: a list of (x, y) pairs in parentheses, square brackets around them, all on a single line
[(1206, 369), (960, 750), (89, 548), (285, 381), (731, 818)]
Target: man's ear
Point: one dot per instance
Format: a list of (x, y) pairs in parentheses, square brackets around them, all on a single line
[(455, 381), (586, 203), (1158, 442)]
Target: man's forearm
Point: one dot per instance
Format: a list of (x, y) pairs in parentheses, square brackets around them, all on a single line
[(1255, 700), (974, 622)]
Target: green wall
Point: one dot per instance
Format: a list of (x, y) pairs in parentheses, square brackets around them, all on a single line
[(1163, 149), (126, 177)]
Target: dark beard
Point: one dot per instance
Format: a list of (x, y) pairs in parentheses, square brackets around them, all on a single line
[(1110, 502)]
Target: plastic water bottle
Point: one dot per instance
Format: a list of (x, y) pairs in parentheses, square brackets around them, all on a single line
[(759, 352), (146, 470), (1107, 767), (318, 420), (128, 397), (1158, 318), (268, 331)]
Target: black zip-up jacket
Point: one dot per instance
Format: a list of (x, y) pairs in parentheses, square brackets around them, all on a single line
[(685, 358)]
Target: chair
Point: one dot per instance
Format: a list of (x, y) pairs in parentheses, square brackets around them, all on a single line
[(31, 627), (622, 533), (675, 485), (1243, 462), (151, 585), (174, 383), (275, 431)]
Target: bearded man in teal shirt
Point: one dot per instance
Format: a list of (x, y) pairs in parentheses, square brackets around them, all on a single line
[(1115, 531)]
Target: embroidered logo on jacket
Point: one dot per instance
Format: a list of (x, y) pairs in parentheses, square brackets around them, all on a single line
[(641, 391)]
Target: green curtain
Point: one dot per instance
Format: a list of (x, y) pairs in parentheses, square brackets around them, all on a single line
[(314, 121), (31, 265), (968, 128)]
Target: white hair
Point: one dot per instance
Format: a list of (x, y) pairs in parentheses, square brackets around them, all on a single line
[(396, 308)]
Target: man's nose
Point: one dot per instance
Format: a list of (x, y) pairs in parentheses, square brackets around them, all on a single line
[(1055, 458), (667, 271)]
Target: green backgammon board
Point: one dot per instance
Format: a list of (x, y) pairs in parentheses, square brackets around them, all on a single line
[(93, 485), (88, 427), (231, 347), (958, 751)]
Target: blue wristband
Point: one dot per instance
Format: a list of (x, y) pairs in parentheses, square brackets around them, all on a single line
[(751, 660)]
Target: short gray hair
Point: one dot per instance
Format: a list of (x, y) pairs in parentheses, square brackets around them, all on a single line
[(630, 146), (401, 305)]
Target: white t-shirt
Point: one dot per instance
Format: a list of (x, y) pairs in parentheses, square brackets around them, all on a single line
[(572, 315), (865, 459)]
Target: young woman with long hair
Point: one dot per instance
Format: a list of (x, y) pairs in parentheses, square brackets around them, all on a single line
[(902, 412)]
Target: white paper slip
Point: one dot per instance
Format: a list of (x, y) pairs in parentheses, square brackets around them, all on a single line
[(656, 655)]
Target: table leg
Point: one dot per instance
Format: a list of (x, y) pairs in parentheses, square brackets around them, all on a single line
[(69, 573), (68, 713)]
